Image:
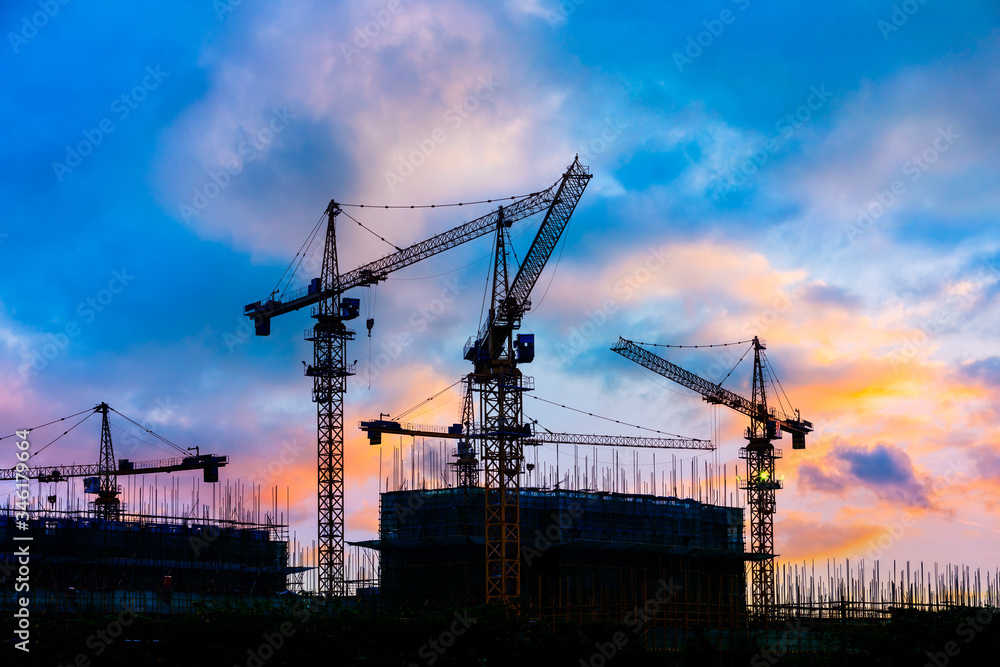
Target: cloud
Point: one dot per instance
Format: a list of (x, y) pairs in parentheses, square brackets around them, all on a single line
[(819, 292), (413, 109), (987, 464), (814, 478), (803, 535), (986, 370), (883, 469)]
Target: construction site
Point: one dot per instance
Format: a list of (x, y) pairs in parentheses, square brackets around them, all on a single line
[(469, 513)]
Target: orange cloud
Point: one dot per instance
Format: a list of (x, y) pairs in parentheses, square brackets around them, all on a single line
[(803, 536)]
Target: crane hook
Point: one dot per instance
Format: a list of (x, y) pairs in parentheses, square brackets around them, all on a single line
[(370, 323)]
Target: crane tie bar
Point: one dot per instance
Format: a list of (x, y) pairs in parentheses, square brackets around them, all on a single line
[(739, 342), (467, 203), (591, 414)]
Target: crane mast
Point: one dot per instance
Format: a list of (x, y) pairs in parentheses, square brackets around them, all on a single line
[(107, 506), (495, 354), (329, 336), (466, 463), (760, 455), (329, 372)]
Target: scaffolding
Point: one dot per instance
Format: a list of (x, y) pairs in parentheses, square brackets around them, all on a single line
[(585, 556), (163, 554), (142, 563), (870, 592)]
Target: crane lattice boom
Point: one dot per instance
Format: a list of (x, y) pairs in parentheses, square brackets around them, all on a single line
[(376, 427)]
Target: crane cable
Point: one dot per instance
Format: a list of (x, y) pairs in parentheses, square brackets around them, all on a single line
[(55, 421), (426, 400), (737, 364), (303, 249), (155, 435), (535, 422), (617, 421), (775, 380), (552, 275), (739, 342), (369, 300), (147, 442), (467, 203), (376, 235), (42, 449), (311, 236)]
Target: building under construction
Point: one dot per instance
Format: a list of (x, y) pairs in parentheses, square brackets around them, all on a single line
[(584, 554), (143, 563), (131, 546)]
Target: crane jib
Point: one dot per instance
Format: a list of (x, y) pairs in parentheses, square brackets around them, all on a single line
[(710, 391), (262, 311)]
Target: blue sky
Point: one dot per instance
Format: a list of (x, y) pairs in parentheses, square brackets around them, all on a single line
[(823, 176)]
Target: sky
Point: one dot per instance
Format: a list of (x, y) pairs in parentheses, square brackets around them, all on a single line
[(822, 176)]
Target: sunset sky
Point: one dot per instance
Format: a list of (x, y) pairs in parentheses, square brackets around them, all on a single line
[(822, 176)]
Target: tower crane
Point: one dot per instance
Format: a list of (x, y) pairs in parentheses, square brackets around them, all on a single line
[(495, 353), (329, 336), (766, 424), (102, 478)]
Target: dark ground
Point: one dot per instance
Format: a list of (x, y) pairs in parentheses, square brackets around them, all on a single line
[(483, 636)]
